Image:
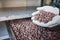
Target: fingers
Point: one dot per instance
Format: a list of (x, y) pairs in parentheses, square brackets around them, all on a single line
[(54, 10), (39, 8), (34, 13), (32, 18), (55, 20), (52, 25), (39, 23)]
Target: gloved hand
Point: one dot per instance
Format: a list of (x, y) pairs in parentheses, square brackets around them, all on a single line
[(55, 20)]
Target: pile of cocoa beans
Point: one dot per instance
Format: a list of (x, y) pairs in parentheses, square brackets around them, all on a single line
[(44, 16), (25, 29)]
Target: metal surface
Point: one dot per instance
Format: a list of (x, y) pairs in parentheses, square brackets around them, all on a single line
[(26, 13), (10, 31), (3, 31), (16, 13)]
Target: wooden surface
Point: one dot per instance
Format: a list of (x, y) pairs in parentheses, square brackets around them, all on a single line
[(14, 3), (0, 4), (20, 3)]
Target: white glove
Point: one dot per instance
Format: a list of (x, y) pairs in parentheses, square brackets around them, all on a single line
[(55, 21), (49, 9)]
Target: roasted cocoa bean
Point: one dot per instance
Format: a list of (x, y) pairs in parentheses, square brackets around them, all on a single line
[(44, 16), (25, 29)]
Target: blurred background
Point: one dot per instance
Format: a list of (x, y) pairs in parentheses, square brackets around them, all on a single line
[(16, 9)]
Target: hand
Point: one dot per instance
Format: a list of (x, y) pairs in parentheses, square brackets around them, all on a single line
[(55, 20)]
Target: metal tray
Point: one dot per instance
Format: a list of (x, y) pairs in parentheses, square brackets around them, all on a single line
[(16, 13), (27, 14), (10, 31)]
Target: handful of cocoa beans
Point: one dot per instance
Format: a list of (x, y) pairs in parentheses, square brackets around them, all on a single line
[(44, 16)]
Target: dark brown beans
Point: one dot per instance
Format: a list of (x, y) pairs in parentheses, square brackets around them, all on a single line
[(44, 16), (24, 29)]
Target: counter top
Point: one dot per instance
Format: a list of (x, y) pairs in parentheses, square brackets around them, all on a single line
[(16, 13)]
